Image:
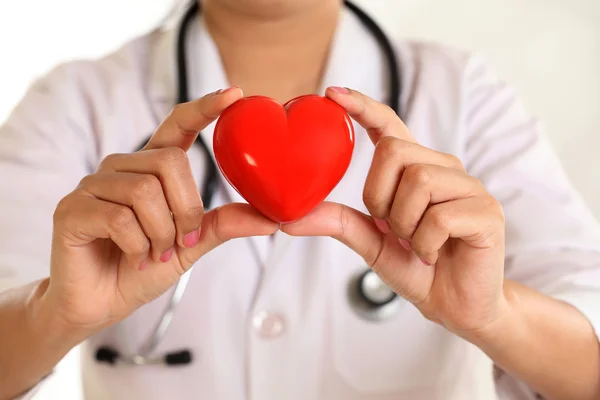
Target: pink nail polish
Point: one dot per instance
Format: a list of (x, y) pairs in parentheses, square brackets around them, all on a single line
[(382, 225), (425, 262), (143, 266), (166, 256), (341, 90), (405, 243), (191, 239)]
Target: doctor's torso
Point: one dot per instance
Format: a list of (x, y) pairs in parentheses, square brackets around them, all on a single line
[(270, 318)]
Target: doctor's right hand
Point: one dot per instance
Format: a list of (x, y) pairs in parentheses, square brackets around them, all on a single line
[(129, 231)]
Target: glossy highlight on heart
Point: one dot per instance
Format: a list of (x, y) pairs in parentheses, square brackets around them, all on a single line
[(284, 159)]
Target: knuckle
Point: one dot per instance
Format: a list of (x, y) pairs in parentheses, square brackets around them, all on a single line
[(62, 210), (362, 104), (216, 228), (177, 109), (344, 221), (147, 187), (120, 218), (109, 161), (476, 182), (389, 147), (389, 111), (438, 218), (193, 214), (417, 175), (496, 210), (479, 188), (455, 162), (373, 200), (172, 156), (86, 181)]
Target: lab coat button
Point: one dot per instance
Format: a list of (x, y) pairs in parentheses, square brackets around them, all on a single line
[(269, 324)]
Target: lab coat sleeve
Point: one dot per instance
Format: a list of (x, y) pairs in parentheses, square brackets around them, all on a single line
[(552, 238), (45, 145), (35, 392), (43, 152)]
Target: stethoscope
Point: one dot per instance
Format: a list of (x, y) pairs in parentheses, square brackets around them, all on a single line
[(369, 297)]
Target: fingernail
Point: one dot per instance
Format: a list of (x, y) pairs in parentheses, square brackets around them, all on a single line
[(382, 225), (425, 262), (221, 91), (191, 239), (405, 243), (341, 90), (166, 256), (143, 266)]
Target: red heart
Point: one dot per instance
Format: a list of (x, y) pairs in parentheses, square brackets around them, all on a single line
[(284, 159)]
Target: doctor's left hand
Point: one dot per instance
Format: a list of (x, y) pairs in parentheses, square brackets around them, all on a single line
[(434, 234)]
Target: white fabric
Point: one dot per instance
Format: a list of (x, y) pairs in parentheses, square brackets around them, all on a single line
[(85, 110)]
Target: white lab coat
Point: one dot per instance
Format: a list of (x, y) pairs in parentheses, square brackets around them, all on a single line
[(83, 111)]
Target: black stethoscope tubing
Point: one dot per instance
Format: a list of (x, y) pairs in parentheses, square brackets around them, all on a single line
[(370, 307)]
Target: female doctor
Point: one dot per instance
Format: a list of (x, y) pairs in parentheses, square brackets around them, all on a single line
[(458, 205)]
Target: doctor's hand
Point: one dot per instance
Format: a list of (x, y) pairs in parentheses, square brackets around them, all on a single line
[(128, 232), (434, 234)]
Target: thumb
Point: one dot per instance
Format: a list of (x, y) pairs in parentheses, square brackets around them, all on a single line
[(186, 120), (400, 269), (224, 223), (378, 119), (351, 227)]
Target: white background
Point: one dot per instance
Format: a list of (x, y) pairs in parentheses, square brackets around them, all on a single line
[(548, 49)]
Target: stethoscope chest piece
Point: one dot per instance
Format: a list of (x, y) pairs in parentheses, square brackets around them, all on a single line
[(371, 298)]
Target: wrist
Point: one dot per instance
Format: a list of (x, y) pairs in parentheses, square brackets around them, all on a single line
[(46, 322), (507, 328)]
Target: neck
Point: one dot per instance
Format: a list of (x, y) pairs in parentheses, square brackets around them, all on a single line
[(280, 53)]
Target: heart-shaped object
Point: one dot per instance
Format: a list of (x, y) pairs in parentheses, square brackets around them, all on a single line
[(284, 159)]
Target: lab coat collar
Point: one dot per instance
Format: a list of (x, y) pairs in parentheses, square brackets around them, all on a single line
[(355, 61)]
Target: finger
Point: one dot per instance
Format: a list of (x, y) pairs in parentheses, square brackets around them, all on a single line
[(423, 185), (351, 227), (144, 194), (171, 166), (379, 120), (186, 120), (224, 223), (392, 156), (476, 221), (398, 268), (85, 219)]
